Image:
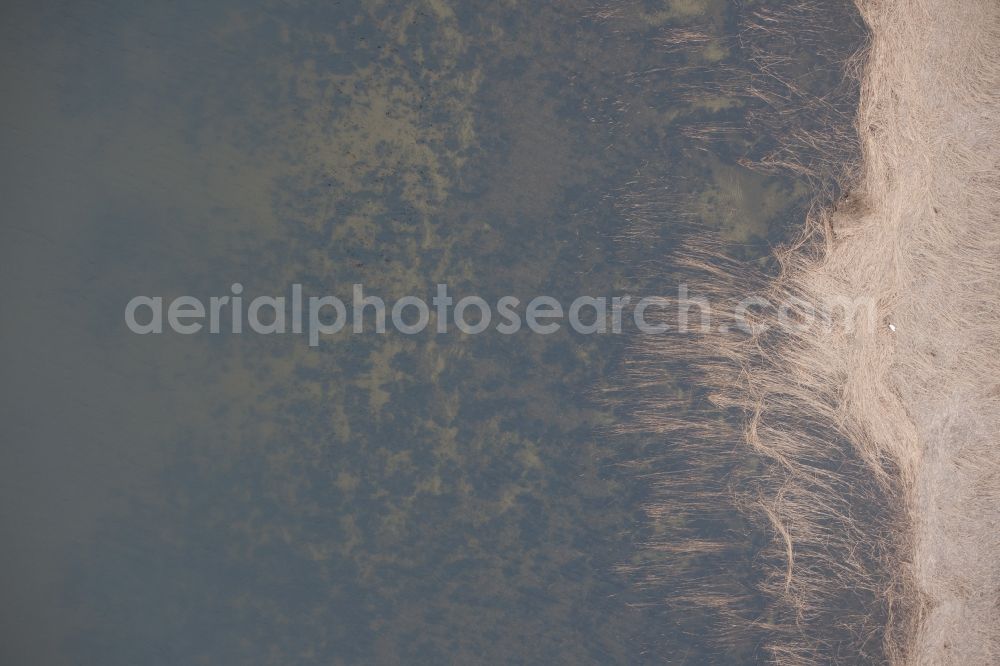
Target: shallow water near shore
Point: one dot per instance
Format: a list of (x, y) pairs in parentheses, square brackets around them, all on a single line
[(384, 498)]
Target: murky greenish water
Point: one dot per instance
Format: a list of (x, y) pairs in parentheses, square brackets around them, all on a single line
[(385, 498)]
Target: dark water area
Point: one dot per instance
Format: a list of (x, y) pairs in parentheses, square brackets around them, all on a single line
[(383, 498)]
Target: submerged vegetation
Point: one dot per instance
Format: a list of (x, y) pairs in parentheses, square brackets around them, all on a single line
[(387, 498)]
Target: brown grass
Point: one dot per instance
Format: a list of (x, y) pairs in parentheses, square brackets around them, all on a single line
[(878, 466)]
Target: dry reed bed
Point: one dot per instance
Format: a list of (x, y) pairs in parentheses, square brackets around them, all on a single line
[(876, 463)]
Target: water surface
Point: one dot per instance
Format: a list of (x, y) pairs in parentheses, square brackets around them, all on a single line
[(384, 498)]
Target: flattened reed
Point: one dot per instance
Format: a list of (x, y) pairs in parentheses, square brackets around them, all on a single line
[(864, 458)]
